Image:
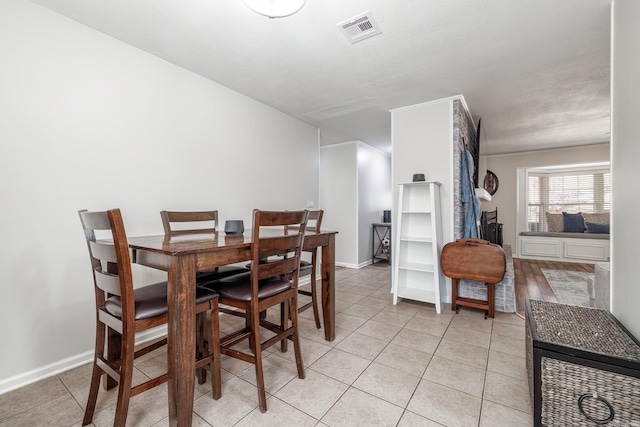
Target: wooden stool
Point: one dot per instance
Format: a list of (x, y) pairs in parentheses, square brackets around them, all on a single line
[(473, 259)]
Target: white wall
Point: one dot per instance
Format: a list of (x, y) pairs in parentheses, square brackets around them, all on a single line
[(505, 166), (87, 121), (339, 199), (374, 195), (625, 152), (422, 143), (355, 187)]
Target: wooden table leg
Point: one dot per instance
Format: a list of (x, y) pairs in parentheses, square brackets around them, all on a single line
[(329, 288), (181, 340)]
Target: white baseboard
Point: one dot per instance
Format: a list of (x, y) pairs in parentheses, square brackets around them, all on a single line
[(55, 368), (43, 372), (356, 266), (347, 265), (364, 264)]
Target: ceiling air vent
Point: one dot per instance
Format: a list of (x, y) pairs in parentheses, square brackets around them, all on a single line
[(359, 27)]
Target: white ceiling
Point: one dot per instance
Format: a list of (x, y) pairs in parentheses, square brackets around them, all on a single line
[(536, 72)]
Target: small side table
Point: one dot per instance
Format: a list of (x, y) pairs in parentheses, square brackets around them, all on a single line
[(473, 259), (381, 241)]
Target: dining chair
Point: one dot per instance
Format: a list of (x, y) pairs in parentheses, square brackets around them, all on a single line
[(124, 311), (267, 284), (196, 222), (310, 267)]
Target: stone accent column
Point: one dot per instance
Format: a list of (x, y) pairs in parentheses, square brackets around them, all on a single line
[(602, 285)]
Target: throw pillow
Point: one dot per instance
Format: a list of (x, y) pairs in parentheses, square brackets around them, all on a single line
[(554, 222), (597, 218), (595, 228), (573, 223)]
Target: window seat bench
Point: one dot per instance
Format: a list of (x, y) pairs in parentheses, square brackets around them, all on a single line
[(567, 247)]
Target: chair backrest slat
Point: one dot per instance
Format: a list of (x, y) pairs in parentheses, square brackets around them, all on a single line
[(169, 217), (279, 218), (107, 282), (103, 251), (95, 220), (281, 267), (270, 246)]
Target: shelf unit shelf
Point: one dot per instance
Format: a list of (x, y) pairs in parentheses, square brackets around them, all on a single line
[(416, 266), (416, 239), (416, 272), (417, 295), (417, 212)]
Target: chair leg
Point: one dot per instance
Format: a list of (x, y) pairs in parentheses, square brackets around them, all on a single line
[(201, 350), (491, 299), (95, 376), (454, 295), (126, 379), (257, 351), (296, 337), (214, 339), (314, 294), (285, 313), (113, 354), (93, 394)]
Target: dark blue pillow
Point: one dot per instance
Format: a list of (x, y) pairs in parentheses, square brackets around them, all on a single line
[(592, 227), (573, 223)]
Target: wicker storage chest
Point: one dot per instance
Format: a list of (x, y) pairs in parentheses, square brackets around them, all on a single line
[(583, 366)]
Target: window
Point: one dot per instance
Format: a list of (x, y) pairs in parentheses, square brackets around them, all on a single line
[(573, 191)]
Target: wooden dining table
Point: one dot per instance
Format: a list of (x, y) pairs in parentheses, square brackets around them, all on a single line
[(181, 257)]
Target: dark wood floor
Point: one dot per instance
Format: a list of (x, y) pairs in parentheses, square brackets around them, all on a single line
[(530, 282)]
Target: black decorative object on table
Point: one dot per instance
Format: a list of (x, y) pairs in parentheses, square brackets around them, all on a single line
[(234, 226)]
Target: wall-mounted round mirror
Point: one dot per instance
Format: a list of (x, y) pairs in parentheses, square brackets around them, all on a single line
[(491, 182)]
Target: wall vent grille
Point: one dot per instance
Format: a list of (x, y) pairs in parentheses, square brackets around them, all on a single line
[(359, 27)]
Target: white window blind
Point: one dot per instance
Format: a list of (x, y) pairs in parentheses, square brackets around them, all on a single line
[(569, 191)]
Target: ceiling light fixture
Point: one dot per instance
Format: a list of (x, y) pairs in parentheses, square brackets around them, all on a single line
[(275, 8)]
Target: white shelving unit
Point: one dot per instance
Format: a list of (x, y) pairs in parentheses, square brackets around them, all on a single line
[(418, 240)]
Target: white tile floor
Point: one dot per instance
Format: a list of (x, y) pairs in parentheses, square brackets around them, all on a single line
[(390, 365)]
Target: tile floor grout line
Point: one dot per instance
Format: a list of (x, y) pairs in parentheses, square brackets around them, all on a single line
[(486, 369), (82, 408)]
